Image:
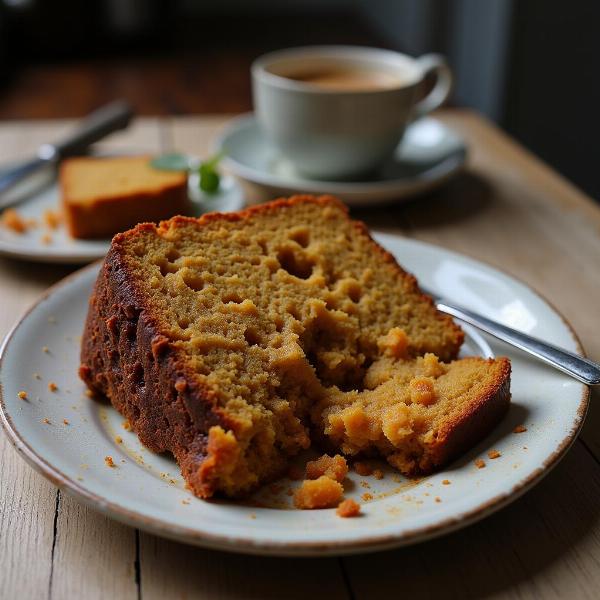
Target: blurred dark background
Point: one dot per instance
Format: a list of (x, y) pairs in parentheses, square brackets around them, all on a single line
[(531, 65)]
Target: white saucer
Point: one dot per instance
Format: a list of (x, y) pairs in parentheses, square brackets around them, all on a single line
[(43, 195), (66, 435), (429, 154)]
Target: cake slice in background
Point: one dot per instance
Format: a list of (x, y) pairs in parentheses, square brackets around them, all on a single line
[(103, 196)]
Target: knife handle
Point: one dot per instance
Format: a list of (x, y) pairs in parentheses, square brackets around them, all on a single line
[(100, 123)]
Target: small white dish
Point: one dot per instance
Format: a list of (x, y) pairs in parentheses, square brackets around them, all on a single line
[(429, 154), (146, 490), (43, 244)]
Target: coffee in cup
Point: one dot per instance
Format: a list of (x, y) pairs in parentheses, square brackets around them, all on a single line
[(338, 112)]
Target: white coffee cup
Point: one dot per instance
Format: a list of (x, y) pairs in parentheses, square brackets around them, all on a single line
[(332, 133)]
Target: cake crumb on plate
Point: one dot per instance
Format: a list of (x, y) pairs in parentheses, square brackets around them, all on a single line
[(348, 508)]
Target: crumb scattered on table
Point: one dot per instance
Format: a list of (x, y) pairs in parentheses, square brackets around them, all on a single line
[(66, 421), (126, 425), (109, 461), (118, 439), (37, 376), (52, 386), (45, 349), (480, 463), (437, 499), (366, 496), (492, 454), (22, 395), (348, 508), (445, 482), (89, 393), (519, 429), (46, 421), (378, 474)]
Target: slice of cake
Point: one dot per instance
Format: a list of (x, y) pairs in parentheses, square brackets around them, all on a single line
[(103, 196), (232, 339)]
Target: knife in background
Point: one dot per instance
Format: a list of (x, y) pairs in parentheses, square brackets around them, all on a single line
[(94, 127)]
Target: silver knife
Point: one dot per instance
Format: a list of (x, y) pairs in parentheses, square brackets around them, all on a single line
[(582, 369), (100, 123)]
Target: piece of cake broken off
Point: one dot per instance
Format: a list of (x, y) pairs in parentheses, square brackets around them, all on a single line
[(231, 339)]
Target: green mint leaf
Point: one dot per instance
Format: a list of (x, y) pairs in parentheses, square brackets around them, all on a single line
[(172, 161), (209, 176)]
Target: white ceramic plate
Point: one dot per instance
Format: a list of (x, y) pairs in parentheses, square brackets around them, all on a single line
[(146, 490), (428, 155), (64, 249)]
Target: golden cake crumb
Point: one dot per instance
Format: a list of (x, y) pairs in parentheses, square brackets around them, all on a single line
[(493, 454), (118, 439), (37, 376), (12, 219), (185, 501), (334, 467), (446, 482), (366, 497), (126, 425), (519, 429), (52, 386), (318, 493), (394, 343), (45, 349), (52, 218), (480, 463), (46, 420), (365, 484), (89, 393), (363, 468), (109, 461), (66, 421), (348, 508), (437, 499), (22, 395)]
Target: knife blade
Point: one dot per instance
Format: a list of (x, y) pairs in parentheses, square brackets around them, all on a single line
[(100, 123)]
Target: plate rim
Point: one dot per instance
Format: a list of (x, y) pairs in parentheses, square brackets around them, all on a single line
[(352, 191), (248, 545)]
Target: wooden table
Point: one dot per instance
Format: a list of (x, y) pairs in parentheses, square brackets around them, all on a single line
[(507, 209)]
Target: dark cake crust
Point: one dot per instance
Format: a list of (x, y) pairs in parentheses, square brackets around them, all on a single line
[(127, 359)]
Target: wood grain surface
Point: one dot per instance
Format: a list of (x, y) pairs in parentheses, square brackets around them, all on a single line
[(508, 209)]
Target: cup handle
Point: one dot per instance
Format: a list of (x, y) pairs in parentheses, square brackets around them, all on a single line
[(436, 64)]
